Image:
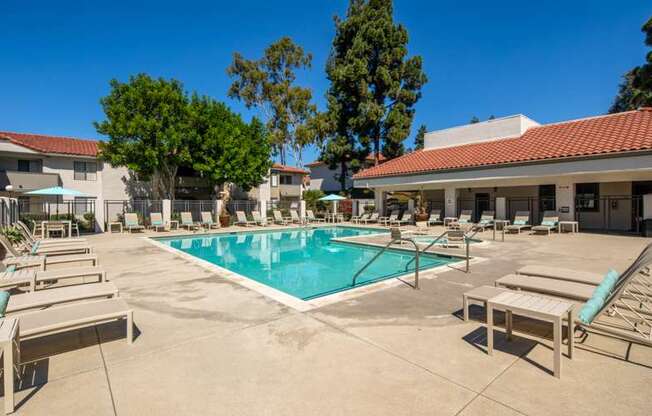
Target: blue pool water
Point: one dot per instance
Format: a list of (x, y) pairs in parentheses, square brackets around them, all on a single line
[(304, 263)]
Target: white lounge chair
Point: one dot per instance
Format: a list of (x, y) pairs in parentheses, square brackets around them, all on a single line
[(294, 217), (373, 218), (207, 220), (521, 222), (486, 220), (549, 223), (131, 222), (388, 220), (278, 218), (434, 218), (187, 222), (310, 216), (242, 219), (258, 219), (156, 221)]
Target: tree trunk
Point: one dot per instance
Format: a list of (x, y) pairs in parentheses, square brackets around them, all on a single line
[(343, 172), (376, 147)]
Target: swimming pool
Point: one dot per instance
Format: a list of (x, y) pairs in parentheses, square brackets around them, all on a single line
[(304, 263)]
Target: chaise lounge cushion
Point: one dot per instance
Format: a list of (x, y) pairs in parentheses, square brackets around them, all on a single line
[(4, 300)]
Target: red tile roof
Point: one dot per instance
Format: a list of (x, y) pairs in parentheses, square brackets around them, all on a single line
[(52, 144), (289, 169), (616, 133), (369, 158)]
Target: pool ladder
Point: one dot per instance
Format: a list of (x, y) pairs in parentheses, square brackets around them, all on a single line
[(388, 245)]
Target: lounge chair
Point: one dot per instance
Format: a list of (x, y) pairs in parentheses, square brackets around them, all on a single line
[(434, 218), (373, 218), (486, 220), (406, 217), (36, 248), (131, 222), (207, 220), (310, 216), (187, 222), (294, 217), (549, 223), (242, 219), (521, 222), (464, 221), (156, 221), (60, 295), (357, 218), (278, 218), (51, 321), (12, 277), (578, 276), (388, 220), (258, 219), (20, 260), (24, 230)]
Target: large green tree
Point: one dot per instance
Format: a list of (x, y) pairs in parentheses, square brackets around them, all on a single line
[(268, 84), (226, 150), (635, 89), (374, 84), (418, 139), (147, 125)]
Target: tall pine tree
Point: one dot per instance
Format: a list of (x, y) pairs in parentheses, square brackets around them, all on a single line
[(418, 139), (374, 84)]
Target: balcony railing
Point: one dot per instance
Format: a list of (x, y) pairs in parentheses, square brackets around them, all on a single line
[(25, 181)]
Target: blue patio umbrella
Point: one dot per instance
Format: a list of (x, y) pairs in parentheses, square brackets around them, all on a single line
[(57, 191), (333, 198)]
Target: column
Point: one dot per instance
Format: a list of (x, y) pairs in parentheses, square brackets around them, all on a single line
[(565, 200), (262, 206), (450, 197), (166, 207), (379, 201), (302, 210), (410, 205), (501, 208)]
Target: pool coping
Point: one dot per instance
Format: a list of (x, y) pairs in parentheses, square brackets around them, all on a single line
[(296, 303)]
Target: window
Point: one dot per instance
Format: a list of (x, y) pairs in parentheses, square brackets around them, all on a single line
[(85, 171), (274, 180), (588, 196), (286, 179), (30, 166)]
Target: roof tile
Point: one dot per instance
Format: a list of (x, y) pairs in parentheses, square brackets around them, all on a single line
[(52, 144)]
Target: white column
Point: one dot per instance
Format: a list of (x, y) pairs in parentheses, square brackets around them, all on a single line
[(450, 197), (565, 200), (219, 204), (379, 201), (167, 211), (501, 208), (354, 207), (99, 215), (410, 205), (263, 210), (302, 210)]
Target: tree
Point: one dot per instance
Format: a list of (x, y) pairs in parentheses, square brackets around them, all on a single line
[(146, 122), (491, 117), (635, 90), (474, 120), (374, 85), (226, 150), (268, 84), (418, 139)]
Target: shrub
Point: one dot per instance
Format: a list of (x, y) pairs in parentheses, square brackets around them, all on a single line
[(12, 234)]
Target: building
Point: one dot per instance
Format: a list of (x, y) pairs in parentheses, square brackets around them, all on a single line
[(593, 170), (327, 180), (284, 183)]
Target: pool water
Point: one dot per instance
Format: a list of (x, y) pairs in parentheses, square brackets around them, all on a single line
[(304, 263)]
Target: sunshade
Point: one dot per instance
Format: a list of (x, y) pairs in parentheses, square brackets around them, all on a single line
[(55, 190)]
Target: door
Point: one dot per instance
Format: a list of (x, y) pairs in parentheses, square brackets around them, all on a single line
[(482, 203)]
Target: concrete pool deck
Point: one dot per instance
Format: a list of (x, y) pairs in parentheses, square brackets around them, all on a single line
[(207, 345)]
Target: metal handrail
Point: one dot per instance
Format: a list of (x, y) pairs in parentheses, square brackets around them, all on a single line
[(416, 270), (429, 245)]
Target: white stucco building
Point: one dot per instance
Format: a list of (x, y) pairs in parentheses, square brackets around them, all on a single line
[(594, 170)]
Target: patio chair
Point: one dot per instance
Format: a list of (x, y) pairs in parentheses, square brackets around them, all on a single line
[(56, 249), (278, 218), (187, 222), (258, 219), (38, 324), (406, 218), (57, 227), (521, 222), (373, 218), (486, 220), (207, 220), (310, 216), (156, 221), (27, 234), (434, 218), (21, 261), (131, 222), (388, 220), (13, 277), (294, 217), (242, 219), (60, 295), (549, 223)]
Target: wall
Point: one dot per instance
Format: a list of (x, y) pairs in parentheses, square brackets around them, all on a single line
[(324, 179), (619, 214)]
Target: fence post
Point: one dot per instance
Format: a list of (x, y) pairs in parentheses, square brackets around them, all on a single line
[(166, 207), (302, 210)]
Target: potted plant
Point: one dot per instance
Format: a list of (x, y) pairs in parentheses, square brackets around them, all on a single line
[(420, 214)]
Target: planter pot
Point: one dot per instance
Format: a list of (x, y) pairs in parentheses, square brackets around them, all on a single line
[(225, 220), (421, 217)]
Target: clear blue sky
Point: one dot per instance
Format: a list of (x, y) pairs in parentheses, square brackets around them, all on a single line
[(551, 60)]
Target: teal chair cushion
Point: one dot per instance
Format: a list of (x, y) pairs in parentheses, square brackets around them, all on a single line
[(157, 222), (463, 221), (34, 248), (485, 221), (519, 222), (589, 310), (548, 223), (4, 300), (11, 268), (606, 286), (599, 297)]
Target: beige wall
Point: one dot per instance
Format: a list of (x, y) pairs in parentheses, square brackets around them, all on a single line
[(618, 215)]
